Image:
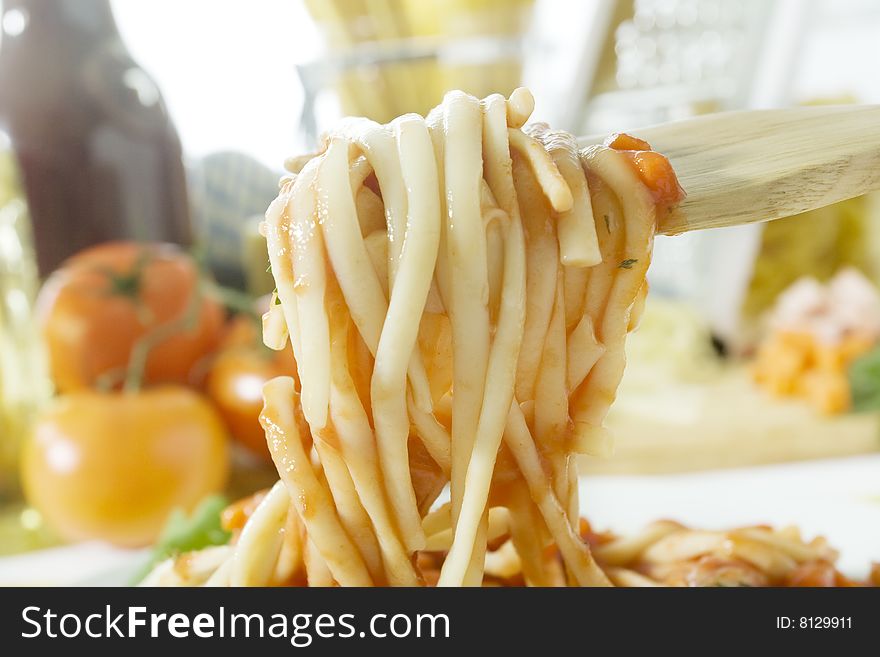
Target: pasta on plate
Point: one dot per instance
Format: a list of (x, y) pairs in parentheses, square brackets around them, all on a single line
[(457, 291)]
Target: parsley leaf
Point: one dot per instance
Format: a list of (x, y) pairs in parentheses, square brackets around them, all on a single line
[(186, 534), (864, 381)]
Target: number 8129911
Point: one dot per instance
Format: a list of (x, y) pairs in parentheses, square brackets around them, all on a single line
[(814, 622)]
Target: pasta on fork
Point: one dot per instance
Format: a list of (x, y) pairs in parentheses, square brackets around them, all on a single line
[(457, 291)]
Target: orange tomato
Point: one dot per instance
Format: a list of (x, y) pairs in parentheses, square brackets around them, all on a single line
[(235, 382), (101, 301), (112, 466)]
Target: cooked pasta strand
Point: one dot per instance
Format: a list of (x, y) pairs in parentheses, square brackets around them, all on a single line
[(312, 500)]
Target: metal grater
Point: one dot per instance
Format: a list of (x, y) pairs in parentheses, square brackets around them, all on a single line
[(676, 58)]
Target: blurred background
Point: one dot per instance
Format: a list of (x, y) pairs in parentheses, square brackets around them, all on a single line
[(128, 124)]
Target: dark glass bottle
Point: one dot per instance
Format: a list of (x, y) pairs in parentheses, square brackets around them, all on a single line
[(99, 156)]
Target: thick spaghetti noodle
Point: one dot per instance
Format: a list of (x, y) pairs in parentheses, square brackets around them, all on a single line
[(457, 291)]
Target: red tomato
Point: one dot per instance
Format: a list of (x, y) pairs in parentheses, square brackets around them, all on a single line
[(235, 382), (101, 301)]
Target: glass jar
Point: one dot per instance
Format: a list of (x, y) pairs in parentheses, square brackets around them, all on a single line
[(381, 62)]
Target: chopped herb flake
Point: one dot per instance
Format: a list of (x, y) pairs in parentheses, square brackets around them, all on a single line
[(607, 222), (628, 263)]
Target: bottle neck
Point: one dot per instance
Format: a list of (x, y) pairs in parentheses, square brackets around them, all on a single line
[(91, 19)]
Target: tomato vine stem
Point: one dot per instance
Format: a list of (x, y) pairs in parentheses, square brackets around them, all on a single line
[(140, 352)]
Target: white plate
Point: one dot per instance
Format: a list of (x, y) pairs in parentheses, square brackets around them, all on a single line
[(838, 499), (83, 564)]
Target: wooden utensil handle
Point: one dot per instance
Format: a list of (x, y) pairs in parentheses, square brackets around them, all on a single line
[(749, 166)]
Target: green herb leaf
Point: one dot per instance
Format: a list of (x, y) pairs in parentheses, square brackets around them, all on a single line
[(607, 222), (864, 381), (185, 534), (628, 263)]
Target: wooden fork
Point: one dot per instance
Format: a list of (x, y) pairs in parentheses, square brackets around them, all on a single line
[(743, 167)]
